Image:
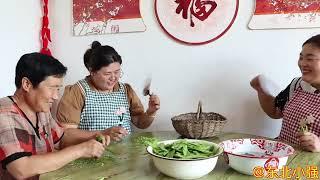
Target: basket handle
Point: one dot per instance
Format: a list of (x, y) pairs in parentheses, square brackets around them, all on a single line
[(199, 111)]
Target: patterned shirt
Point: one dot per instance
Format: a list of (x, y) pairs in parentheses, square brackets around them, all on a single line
[(20, 138)]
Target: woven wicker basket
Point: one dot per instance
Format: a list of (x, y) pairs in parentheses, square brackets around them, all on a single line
[(198, 125)]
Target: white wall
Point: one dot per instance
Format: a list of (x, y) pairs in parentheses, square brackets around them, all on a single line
[(19, 34), (217, 73)]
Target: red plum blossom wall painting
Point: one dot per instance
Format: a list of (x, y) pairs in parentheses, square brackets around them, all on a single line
[(196, 22), (276, 14), (106, 16)]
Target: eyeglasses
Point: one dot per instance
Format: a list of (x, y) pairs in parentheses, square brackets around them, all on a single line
[(118, 73)]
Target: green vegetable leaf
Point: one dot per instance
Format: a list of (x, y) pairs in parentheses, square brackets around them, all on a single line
[(99, 138)]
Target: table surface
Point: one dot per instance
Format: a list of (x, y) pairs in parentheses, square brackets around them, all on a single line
[(129, 160)]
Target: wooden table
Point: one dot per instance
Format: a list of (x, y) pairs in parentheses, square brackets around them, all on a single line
[(129, 160)]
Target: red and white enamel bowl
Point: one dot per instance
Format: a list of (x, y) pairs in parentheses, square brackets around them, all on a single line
[(249, 155)]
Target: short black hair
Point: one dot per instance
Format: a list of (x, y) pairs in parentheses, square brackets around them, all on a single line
[(37, 67), (99, 56), (314, 40)]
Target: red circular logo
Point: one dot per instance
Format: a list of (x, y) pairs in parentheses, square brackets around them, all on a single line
[(196, 22), (272, 163)]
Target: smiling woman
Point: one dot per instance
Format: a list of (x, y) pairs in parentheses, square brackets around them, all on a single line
[(299, 100), (93, 103)]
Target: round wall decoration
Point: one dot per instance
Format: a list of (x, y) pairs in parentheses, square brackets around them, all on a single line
[(196, 22)]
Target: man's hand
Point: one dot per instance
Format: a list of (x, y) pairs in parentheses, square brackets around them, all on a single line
[(92, 148), (104, 139), (309, 141), (116, 133)]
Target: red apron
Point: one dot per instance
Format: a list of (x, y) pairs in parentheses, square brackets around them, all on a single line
[(301, 105)]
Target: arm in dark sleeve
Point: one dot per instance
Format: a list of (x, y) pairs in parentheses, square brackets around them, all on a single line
[(284, 96)]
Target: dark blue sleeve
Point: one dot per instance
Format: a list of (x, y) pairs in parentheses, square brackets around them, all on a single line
[(283, 97)]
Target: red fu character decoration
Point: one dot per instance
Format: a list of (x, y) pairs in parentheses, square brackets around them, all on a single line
[(45, 31), (201, 9), (196, 22)]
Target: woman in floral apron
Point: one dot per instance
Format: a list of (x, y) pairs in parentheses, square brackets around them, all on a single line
[(299, 104), (100, 101)]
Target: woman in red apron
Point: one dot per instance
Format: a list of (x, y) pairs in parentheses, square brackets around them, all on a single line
[(299, 104)]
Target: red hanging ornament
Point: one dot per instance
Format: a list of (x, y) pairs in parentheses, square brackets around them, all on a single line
[(45, 31)]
